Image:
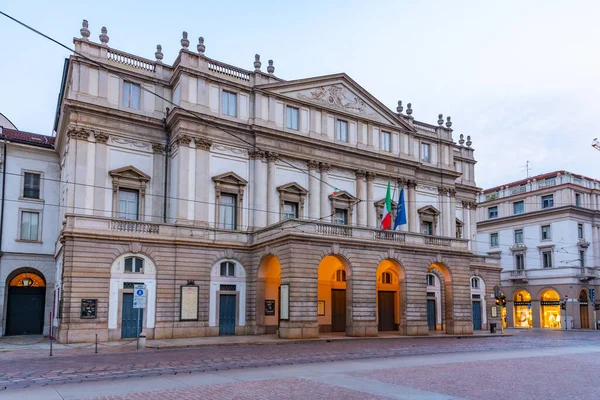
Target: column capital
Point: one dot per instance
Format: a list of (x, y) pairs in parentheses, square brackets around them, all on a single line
[(360, 174), (78, 133), (256, 154), (101, 137), (370, 176), (158, 148), (183, 140), (411, 183), (272, 156), (203, 144), (324, 167), (312, 164)]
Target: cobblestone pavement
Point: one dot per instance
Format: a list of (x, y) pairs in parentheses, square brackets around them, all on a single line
[(20, 369)]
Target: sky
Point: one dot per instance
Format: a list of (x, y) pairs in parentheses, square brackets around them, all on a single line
[(522, 78)]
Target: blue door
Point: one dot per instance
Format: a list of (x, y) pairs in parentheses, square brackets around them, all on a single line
[(227, 306), (476, 316), (129, 321), (431, 314)]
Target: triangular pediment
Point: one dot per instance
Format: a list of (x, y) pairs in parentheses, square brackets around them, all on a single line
[(230, 177), (431, 210), (292, 187), (381, 203), (129, 172), (343, 196), (338, 93), (459, 222)]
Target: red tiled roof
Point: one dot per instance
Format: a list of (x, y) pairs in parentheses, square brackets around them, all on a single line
[(538, 177), (33, 139)]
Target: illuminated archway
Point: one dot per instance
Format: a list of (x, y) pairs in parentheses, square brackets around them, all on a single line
[(522, 309), (550, 309), (391, 297), (267, 294), (334, 294), (584, 314), (26, 301)]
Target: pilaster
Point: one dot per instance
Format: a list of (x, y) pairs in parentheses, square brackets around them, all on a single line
[(272, 197), (259, 208), (314, 190), (325, 205), (361, 194), (203, 181), (371, 214)]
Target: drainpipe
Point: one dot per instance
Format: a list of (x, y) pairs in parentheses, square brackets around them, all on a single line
[(3, 193), (164, 123)]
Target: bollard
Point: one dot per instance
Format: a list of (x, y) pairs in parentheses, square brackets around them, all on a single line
[(142, 340), (96, 351)]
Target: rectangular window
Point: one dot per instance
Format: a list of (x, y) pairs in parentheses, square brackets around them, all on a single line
[(518, 236), (134, 264), (425, 152), (427, 228), (493, 212), (342, 131), (128, 204), (547, 259), (30, 225), (580, 231), (131, 95), (229, 103), (292, 117), (290, 210), (31, 185), (227, 268), (227, 211), (546, 235), (430, 280), (577, 199), (518, 207), (340, 217), (519, 261), (581, 258), (386, 141), (493, 240), (548, 201)]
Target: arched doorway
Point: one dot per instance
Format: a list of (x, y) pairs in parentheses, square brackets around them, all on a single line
[(391, 297), (227, 310), (333, 296), (439, 298), (550, 309), (434, 302), (269, 280), (522, 305), (584, 314), (26, 301), (478, 305)]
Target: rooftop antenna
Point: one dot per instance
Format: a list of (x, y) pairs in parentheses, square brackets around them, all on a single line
[(527, 168)]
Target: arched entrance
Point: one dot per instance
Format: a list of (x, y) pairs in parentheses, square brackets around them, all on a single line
[(269, 280), (227, 310), (550, 309), (478, 303), (439, 298), (26, 301), (333, 296), (522, 305), (391, 297), (584, 314)]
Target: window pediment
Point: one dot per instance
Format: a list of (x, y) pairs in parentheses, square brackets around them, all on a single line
[(459, 223), (343, 196), (293, 189), (379, 204), (428, 210), (230, 178), (129, 173)]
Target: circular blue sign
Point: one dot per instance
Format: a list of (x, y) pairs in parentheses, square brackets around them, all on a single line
[(140, 292)]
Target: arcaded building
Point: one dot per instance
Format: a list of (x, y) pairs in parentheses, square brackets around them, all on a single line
[(249, 204)]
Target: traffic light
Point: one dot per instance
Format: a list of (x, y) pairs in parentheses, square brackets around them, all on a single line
[(502, 299), (563, 305), (596, 307)]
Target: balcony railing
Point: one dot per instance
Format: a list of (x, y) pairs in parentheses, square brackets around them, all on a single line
[(134, 226), (587, 273), (546, 183), (518, 275), (390, 236), (130, 60), (438, 241), (334, 230)]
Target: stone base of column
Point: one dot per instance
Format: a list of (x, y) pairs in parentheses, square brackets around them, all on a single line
[(460, 328), (417, 328), (362, 329), (298, 330)]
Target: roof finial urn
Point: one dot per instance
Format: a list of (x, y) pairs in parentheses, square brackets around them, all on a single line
[(158, 54), (461, 141), (185, 43), (201, 47), (469, 141), (440, 120), (257, 62), (85, 32), (399, 109), (448, 122), (271, 68), (103, 36), (409, 109)]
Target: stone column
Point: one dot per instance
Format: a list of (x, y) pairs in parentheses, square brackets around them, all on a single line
[(595, 244), (442, 218), (272, 197), (452, 212), (412, 215), (314, 190), (473, 225), (79, 148), (371, 214), (102, 200), (182, 158), (203, 181), (325, 189), (361, 207), (259, 196)]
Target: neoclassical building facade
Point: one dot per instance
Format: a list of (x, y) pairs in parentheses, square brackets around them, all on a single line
[(248, 204), (545, 230)]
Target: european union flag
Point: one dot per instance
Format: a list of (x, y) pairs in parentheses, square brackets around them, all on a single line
[(400, 212)]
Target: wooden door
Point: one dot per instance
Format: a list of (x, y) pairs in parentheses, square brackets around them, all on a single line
[(338, 310), (585, 316), (386, 311), (131, 324)]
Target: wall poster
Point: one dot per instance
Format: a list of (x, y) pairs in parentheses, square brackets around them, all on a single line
[(284, 302), (189, 303), (269, 307)]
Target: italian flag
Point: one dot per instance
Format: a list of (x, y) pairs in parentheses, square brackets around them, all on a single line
[(386, 220)]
